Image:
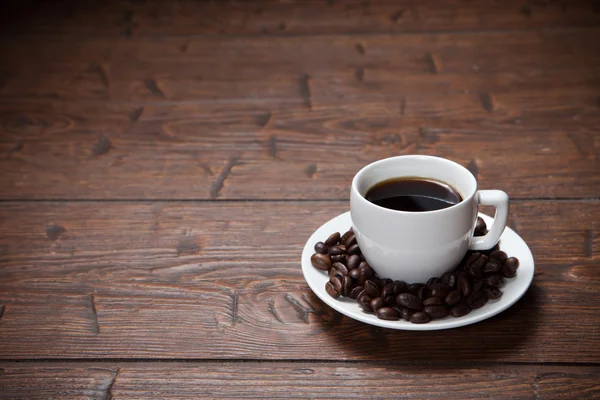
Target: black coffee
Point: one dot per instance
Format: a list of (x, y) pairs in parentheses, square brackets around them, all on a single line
[(413, 194)]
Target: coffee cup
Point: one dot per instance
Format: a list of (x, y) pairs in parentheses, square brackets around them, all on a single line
[(414, 246)]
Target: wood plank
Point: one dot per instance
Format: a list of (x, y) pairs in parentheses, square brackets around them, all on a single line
[(300, 70), (57, 150), (304, 380), (223, 281), (157, 18)]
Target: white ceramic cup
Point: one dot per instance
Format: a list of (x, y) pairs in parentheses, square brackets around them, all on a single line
[(416, 246)]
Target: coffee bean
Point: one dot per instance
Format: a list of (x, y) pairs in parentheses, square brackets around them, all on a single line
[(340, 258), (492, 293), (474, 265), (377, 303), (345, 236), (452, 298), (480, 227), (330, 289), (337, 283), (449, 279), (390, 300), (346, 286), (337, 250), (333, 239), (436, 312), (338, 268), (491, 267), (413, 288), (353, 261), (476, 300), (420, 318), (364, 302), (355, 292), (321, 247), (354, 273), (371, 289), (381, 282), (509, 269), (410, 301), (406, 313), (399, 287), (490, 251), (440, 290), (388, 313), (493, 281), (354, 249), (422, 293), (388, 290), (498, 255), (477, 285), (460, 310), (350, 241), (464, 286), (320, 261), (432, 301), (431, 281)]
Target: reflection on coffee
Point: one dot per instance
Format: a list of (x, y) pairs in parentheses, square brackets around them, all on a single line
[(413, 194)]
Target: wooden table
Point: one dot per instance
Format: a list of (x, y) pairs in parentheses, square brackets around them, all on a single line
[(163, 163)]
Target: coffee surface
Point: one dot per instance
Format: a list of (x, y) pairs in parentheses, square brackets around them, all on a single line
[(413, 194)]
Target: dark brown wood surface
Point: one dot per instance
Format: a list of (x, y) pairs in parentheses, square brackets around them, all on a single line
[(163, 163)]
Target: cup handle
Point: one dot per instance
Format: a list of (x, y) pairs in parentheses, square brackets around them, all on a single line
[(498, 199)]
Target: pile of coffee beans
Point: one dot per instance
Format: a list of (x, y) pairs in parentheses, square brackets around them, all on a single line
[(477, 279)]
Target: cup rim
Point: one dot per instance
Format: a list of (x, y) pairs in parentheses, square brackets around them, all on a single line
[(362, 171)]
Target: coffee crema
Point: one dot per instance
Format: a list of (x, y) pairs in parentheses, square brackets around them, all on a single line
[(413, 194)]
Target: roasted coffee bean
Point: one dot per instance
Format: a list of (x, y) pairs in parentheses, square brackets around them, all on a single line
[(406, 313), (346, 235), (346, 286), (388, 313), (491, 267), (476, 300), (449, 279), (330, 289), (388, 290), (464, 286), (355, 292), (337, 283), (337, 275), (338, 268), (320, 261), (377, 303), (340, 258), (355, 250), (353, 262), (337, 250), (480, 227), (493, 281), (460, 310), (413, 288), (354, 273), (350, 241), (498, 255), (333, 239), (474, 265), (420, 317), (477, 285), (452, 298), (492, 293), (380, 282), (509, 269), (399, 287), (432, 301), (493, 249), (422, 293), (371, 289), (390, 300), (431, 281), (440, 290), (436, 312), (321, 247), (410, 301), (364, 302)]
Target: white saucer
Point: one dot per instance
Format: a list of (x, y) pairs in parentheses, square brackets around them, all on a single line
[(512, 289)]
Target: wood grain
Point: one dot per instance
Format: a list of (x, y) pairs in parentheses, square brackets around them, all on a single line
[(282, 380), (223, 281), (155, 18)]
